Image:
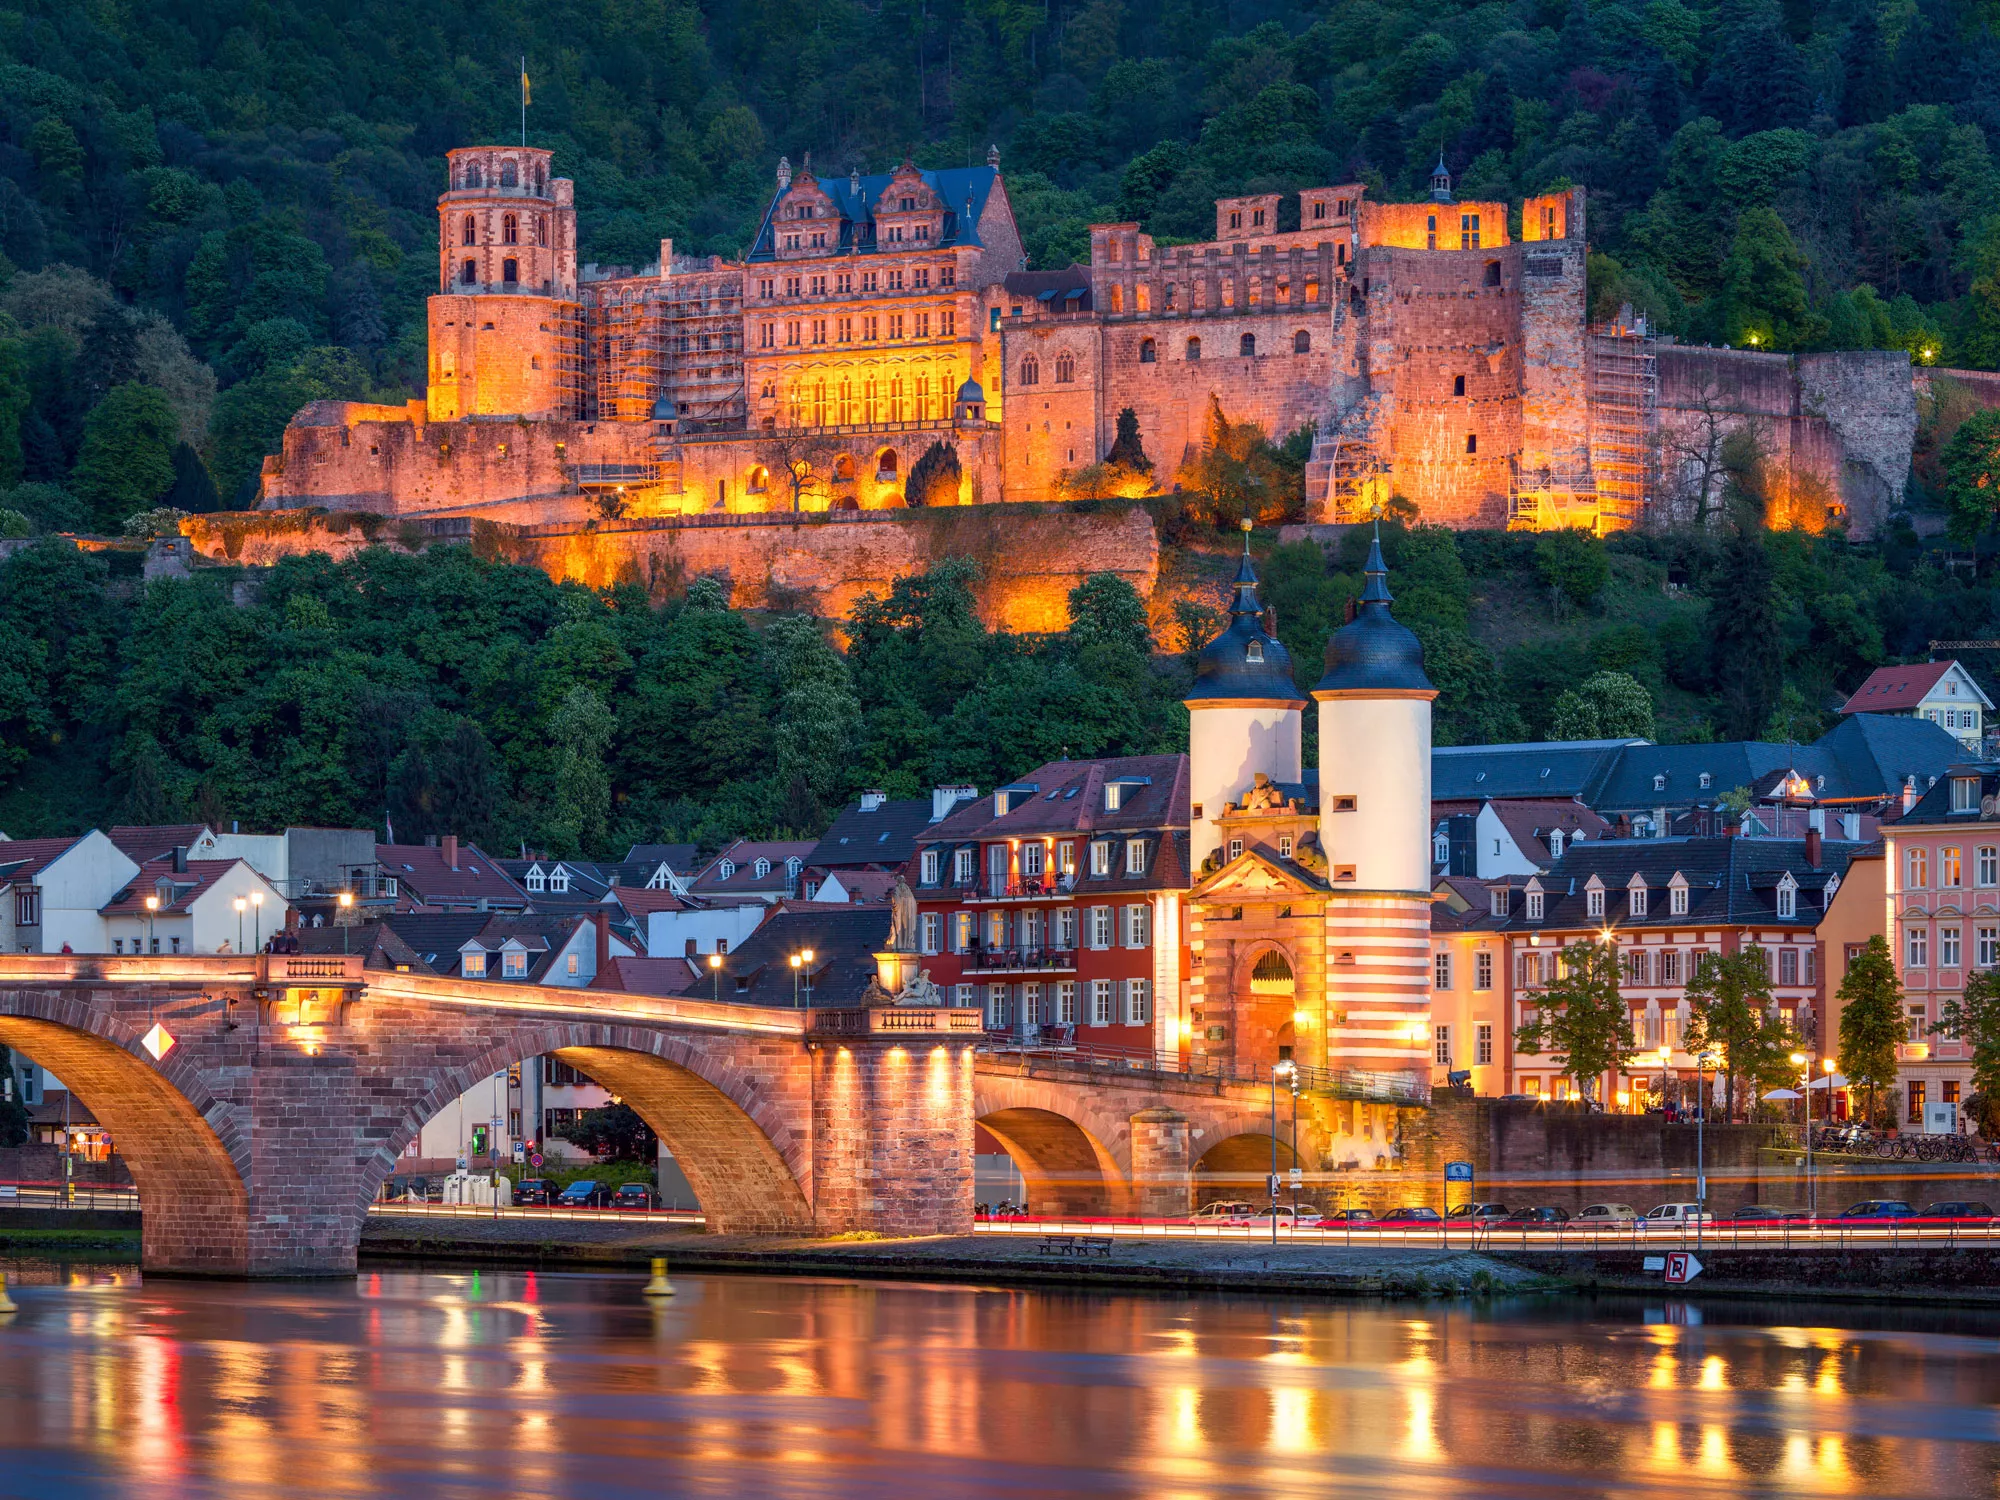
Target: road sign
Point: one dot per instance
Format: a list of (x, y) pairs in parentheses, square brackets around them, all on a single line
[(1655, 1263), (520, 1153), (1298, 1176), (464, 1162), (535, 1159), (1681, 1268), (1458, 1171)]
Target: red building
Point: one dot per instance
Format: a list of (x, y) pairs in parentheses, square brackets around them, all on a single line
[(1056, 902)]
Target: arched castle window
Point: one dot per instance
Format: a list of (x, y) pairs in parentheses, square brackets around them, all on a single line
[(1272, 975), (1118, 299), (510, 271), (1031, 371), (508, 176), (1302, 342), (1065, 368), (1247, 345), (1194, 348), (469, 231), (759, 478), (473, 177), (510, 230), (1148, 352), (885, 464), (471, 270)]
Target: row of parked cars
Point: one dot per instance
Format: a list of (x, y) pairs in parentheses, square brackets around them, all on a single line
[(584, 1193), (1665, 1216)]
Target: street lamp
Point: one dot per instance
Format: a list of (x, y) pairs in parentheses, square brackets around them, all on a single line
[(801, 962), (239, 903), (1800, 1060), (1701, 1060), (346, 899), (1290, 1073), (152, 908), (715, 968), (257, 905)]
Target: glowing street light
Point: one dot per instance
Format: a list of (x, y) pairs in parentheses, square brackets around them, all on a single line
[(801, 963), (346, 900), (715, 969), (239, 903), (152, 909), (257, 905), (1287, 1072)]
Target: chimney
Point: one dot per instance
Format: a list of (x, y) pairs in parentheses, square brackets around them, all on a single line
[(945, 798), (603, 923), (873, 799), (451, 850), (1909, 792), (1812, 847), (180, 859), (1850, 827)]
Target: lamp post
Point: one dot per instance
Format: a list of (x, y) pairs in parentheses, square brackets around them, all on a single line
[(257, 908), (1294, 1080), (1701, 1060), (239, 903), (152, 908), (1290, 1073), (346, 899), (807, 955), (795, 981), (715, 969)]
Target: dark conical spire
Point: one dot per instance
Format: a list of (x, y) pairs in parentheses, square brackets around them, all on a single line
[(1245, 663), (1376, 591), (1372, 654), (1245, 602)]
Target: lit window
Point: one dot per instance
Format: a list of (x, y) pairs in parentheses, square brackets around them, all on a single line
[(1441, 971), (474, 965), (513, 964)]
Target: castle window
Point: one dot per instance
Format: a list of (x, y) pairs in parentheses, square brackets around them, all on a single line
[(1302, 342), (1312, 284), (1493, 273), (1548, 221), (1148, 354), (1431, 232), (1065, 368), (1117, 299), (1468, 231), (541, 229), (1458, 385), (471, 269), (469, 232), (1031, 371), (1257, 219), (1194, 348), (1172, 292), (1472, 442), (907, 205), (510, 230), (473, 178), (510, 271), (759, 478), (508, 176), (1247, 345), (1236, 220)]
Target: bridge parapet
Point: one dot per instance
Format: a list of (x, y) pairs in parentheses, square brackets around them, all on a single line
[(896, 1020)]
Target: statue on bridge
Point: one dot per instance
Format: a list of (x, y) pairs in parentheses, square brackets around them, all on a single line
[(902, 918)]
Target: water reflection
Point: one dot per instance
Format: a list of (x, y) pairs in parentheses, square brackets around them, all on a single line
[(522, 1384)]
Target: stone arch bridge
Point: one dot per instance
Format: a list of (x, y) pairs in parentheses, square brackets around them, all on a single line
[(260, 1101)]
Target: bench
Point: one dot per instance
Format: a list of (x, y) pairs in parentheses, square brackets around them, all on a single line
[(1076, 1244)]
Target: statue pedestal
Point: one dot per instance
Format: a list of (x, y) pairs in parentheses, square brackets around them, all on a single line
[(893, 971)]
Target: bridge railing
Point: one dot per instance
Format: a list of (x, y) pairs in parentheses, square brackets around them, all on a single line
[(894, 1020), (201, 968), (1338, 1083)]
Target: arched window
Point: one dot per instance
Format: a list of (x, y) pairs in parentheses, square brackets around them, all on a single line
[(1031, 371), (885, 464), (473, 177), (1247, 345), (469, 231), (510, 230), (1065, 368), (1272, 975), (471, 271), (1194, 348), (1148, 354), (510, 271), (1302, 342), (759, 478), (508, 175)]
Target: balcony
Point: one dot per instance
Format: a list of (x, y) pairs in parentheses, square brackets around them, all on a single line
[(1020, 961), (895, 1021), (1031, 888)]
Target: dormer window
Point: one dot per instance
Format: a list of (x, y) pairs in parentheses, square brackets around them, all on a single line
[(1497, 901), (1636, 897), (559, 879), (513, 964), (1254, 652), (1100, 857), (761, 868), (1659, 783), (727, 869), (473, 964), (1677, 896), (929, 865), (1114, 796), (1965, 794), (1135, 856), (1788, 896), (1555, 843), (1534, 901), (794, 864), (1593, 899), (1707, 781), (536, 879)]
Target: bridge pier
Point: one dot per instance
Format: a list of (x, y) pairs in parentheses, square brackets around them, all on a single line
[(892, 1128), (1162, 1168)]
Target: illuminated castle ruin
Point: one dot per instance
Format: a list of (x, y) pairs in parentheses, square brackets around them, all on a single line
[(1441, 350)]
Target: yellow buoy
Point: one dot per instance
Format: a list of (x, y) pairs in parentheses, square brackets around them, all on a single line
[(7, 1303), (659, 1286)]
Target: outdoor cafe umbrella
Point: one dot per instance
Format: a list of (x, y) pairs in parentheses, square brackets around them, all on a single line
[(1784, 1094), (1829, 1081)]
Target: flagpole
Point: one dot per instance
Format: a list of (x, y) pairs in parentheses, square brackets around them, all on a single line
[(524, 99)]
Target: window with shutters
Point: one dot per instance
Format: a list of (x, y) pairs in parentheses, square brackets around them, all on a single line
[(1138, 1002), (1137, 921), (1066, 1003), (1100, 1002), (932, 924), (1100, 927)]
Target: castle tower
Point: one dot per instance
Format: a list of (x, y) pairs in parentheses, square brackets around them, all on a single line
[(1243, 715), (1374, 826), (505, 331)]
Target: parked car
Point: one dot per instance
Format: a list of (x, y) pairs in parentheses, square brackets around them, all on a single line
[(1972, 1208), (1878, 1208), (585, 1192), (1415, 1213), (1547, 1216), (1479, 1212), (535, 1190), (635, 1195), (1223, 1211), (1305, 1216), (1599, 1214), (1766, 1213), (1349, 1218), (1676, 1216)]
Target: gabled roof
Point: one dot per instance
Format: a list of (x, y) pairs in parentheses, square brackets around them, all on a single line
[(680, 858), (743, 880), (178, 889), (863, 887), (638, 901), (885, 836), (652, 976), (1729, 880), (1902, 689), (436, 937), (422, 869), (962, 190), (844, 941), (1069, 798), (1529, 824), (24, 859), (1533, 769), (1877, 753), (140, 842)]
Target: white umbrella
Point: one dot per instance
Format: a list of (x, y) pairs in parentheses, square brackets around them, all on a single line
[(1784, 1094), (1830, 1081)]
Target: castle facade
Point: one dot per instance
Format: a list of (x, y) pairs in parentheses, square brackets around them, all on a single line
[(1440, 351)]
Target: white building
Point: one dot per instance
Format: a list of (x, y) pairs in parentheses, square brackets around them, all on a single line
[(51, 892), (178, 905), (1941, 691)]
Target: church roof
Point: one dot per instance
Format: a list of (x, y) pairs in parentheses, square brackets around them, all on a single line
[(1372, 653), (1244, 661)]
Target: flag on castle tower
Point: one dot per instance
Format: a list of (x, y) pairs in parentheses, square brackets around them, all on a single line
[(525, 99)]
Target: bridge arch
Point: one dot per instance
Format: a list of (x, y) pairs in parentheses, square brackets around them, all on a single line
[(1237, 1166), (185, 1149), (1073, 1150), (744, 1147)]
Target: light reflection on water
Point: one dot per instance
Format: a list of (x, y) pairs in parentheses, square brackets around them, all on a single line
[(407, 1383)]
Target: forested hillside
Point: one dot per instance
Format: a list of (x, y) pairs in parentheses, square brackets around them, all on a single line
[(245, 190)]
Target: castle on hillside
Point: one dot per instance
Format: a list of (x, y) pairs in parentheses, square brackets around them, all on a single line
[(1440, 350)]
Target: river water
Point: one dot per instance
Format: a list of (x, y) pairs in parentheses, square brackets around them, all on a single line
[(524, 1384)]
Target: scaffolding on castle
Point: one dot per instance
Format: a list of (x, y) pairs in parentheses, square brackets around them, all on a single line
[(680, 341), (1624, 419), (1554, 499)]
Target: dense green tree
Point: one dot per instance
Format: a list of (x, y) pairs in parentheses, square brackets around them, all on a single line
[(1971, 465), (1973, 1017), (1764, 288), (1732, 1016), (1573, 565), (1871, 1022), (1580, 1019), (1743, 623), (126, 463), (1605, 705), (580, 807)]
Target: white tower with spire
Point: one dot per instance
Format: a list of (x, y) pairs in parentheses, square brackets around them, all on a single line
[(1374, 826), (1244, 715)]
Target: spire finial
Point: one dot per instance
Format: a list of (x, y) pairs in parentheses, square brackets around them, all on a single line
[(1246, 523)]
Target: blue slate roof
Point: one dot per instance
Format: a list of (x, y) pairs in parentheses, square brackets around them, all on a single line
[(1539, 769), (1244, 662), (963, 190), (1732, 880)]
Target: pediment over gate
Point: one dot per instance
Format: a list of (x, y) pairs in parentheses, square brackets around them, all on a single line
[(1254, 876)]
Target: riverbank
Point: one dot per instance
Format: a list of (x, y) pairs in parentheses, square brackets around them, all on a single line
[(1133, 1264)]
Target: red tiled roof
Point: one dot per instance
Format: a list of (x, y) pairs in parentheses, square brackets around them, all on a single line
[(1888, 689), (24, 859), (744, 854), (650, 976), (1529, 823), (143, 841), (640, 902), (872, 886), (422, 867), (188, 886)]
